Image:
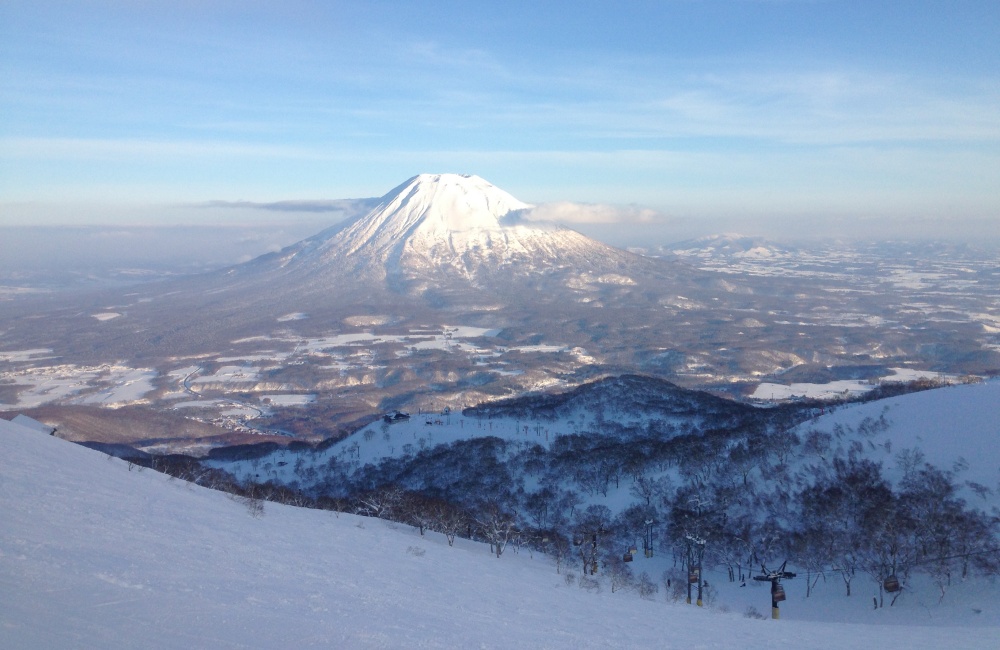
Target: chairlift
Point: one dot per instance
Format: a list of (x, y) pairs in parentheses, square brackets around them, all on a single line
[(627, 557), (891, 584), (693, 577), (777, 592)]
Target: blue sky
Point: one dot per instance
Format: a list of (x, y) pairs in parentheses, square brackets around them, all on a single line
[(741, 109)]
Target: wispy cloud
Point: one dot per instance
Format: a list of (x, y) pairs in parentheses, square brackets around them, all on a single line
[(819, 107), (574, 213), (343, 206)]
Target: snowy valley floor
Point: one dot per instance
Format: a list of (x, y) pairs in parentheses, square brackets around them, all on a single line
[(95, 555)]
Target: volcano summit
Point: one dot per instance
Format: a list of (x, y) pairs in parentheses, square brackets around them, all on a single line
[(437, 228)]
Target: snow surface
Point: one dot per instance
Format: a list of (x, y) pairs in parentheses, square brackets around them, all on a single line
[(95, 554), (955, 427), (14, 356), (110, 385), (289, 399), (839, 389)]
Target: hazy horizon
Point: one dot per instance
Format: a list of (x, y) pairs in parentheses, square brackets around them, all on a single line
[(67, 255)]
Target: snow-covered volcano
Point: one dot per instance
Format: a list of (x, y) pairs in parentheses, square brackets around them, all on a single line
[(438, 242), (448, 225)]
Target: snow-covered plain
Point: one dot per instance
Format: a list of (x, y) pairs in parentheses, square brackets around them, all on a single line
[(115, 385), (769, 391), (94, 554), (108, 385)]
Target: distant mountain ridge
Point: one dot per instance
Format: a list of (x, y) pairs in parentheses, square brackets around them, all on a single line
[(727, 245)]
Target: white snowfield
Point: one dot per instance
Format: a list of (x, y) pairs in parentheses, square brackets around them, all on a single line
[(110, 385), (832, 390), (955, 427), (95, 555)]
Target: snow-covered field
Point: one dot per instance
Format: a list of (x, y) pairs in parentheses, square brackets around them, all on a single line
[(95, 555), (833, 390), (117, 384), (106, 385)]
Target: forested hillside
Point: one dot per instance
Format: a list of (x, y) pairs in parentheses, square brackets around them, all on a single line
[(635, 462)]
